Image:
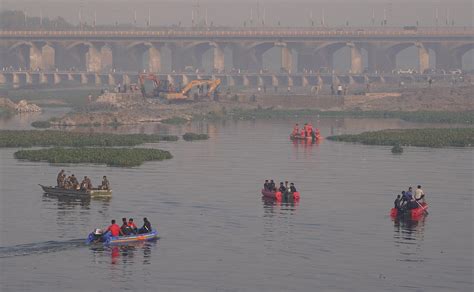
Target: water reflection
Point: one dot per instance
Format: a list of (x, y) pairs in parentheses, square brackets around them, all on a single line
[(125, 254), (408, 237)]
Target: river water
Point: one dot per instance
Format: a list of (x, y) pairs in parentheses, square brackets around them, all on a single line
[(217, 234)]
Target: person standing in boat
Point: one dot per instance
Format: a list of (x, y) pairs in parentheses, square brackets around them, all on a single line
[(271, 186), (296, 130), (292, 188), (60, 179), (419, 194), (146, 228), (265, 185), (282, 188), (397, 203), (105, 184)]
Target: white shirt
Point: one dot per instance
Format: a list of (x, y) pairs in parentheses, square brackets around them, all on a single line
[(418, 193)]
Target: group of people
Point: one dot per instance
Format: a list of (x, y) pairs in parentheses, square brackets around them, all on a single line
[(284, 188), (306, 131), (127, 228), (409, 200), (71, 182)]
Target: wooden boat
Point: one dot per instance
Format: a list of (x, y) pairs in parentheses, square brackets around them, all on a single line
[(278, 195), (108, 239), (412, 213), (50, 190)]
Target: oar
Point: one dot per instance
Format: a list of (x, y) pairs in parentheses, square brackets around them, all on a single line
[(424, 210)]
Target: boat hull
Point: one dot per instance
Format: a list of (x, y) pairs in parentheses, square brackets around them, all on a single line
[(413, 213), (117, 240), (50, 190), (279, 196)]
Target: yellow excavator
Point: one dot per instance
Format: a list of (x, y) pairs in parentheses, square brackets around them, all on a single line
[(205, 88)]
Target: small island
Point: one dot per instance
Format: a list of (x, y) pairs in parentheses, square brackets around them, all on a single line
[(430, 137), (121, 157), (194, 136), (31, 138)]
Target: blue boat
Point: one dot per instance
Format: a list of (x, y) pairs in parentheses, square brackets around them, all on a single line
[(108, 239)]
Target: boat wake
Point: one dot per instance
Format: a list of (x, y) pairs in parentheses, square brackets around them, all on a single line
[(40, 248)]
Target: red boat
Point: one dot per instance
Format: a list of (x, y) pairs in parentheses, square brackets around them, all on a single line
[(413, 213), (278, 195), (303, 138)]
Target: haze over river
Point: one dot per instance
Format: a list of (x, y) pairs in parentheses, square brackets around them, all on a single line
[(217, 234)]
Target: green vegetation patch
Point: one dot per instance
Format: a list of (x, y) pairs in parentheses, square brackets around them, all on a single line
[(122, 157), (194, 136), (41, 124), (465, 117), (13, 138), (175, 121), (456, 137)]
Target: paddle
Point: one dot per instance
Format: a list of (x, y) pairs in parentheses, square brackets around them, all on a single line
[(424, 210)]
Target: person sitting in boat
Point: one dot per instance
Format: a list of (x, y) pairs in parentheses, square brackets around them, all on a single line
[(266, 185), (114, 229), (86, 184), (126, 230), (67, 183), (296, 130), (146, 228), (60, 179), (292, 188), (282, 188), (105, 184), (309, 130), (132, 225), (419, 194), (74, 182), (97, 235)]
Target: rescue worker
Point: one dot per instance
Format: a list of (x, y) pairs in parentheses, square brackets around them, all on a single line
[(114, 229), (292, 188), (132, 225), (146, 228), (305, 129), (59, 179), (397, 203), (282, 188), (105, 184), (310, 130), (86, 184), (271, 186), (419, 194), (126, 230), (296, 130), (74, 182), (266, 185)]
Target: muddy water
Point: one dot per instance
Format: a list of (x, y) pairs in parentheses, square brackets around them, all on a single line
[(217, 234)]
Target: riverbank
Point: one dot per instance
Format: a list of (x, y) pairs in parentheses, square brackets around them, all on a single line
[(454, 137)]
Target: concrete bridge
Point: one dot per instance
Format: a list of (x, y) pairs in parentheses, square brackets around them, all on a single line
[(138, 50), (106, 79)]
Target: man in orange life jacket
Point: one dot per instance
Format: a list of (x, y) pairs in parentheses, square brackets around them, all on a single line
[(114, 229), (309, 130)]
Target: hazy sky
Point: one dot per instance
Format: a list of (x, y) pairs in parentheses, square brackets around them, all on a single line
[(234, 13)]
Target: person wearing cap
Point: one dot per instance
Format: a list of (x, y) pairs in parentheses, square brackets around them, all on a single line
[(97, 235)]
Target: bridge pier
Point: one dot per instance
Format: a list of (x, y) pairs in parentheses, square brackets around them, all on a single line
[(286, 59), (94, 59), (423, 57), (218, 64), (356, 58), (154, 59)]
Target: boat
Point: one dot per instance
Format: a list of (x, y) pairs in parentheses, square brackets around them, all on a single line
[(56, 191), (412, 213), (304, 138), (279, 196), (108, 239)]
